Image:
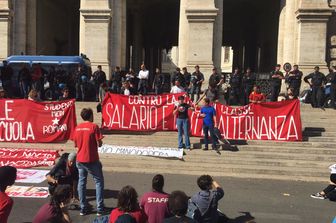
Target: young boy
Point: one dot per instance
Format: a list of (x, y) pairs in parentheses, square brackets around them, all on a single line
[(208, 113)]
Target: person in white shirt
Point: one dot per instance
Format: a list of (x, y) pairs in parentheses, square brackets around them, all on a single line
[(143, 83), (177, 88)]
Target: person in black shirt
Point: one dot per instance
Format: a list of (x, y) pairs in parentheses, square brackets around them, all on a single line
[(294, 80), (235, 87), (80, 79), (317, 82), (187, 77), (178, 76), (99, 77), (64, 172), (248, 82), (182, 122), (276, 81), (6, 74), (332, 79), (65, 94), (24, 80), (116, 79), (158, 82), (196, 81), (215, 79), (178, 206)]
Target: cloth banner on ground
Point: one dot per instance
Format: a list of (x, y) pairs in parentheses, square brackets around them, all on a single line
[(27, 191), (266, 121), (28, 121), (31, 176), (27, 158), (142, 151)]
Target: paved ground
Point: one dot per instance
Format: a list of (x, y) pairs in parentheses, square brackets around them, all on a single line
[(246, 200)]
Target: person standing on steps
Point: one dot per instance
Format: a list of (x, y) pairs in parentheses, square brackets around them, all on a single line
[(208, 113), (276, 77), (182, 122)]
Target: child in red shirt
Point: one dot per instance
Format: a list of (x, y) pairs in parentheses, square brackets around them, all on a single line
[(256, 96)]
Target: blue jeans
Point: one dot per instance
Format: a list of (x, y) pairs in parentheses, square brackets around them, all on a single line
[(206, 130), (95, 169), (183, 128)]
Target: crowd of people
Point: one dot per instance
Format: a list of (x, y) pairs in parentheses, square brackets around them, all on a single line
[(237, 90), (67, 184)]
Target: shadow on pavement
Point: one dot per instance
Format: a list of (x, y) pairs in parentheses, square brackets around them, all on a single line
[(245, 218)]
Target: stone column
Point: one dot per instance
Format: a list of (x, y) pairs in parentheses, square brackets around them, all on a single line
[(201, 16), (289, 33), (19, 27), (118, 34), (312, 31), (281, 34), (94, 31), (218, 36), (137, 56), (183, 35), (31, 46), (4, 29)]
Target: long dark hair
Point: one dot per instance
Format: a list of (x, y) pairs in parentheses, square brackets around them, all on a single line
[(61, 195), (128, 199), (7, 177)]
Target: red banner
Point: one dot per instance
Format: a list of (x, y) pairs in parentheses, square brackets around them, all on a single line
[(139, 113), (266, 121), (27, 121), (27, 158)]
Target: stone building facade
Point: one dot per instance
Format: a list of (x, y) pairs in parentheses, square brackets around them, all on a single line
[(126, 33)]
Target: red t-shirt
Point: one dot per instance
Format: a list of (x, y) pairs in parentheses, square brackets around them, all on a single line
[(45, 213), (155, 206), (138, 215), (86, 137), (257, 96), (6, 204)]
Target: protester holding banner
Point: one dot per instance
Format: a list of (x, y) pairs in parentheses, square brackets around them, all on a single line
[(56, 210), (87, 138), (208, 113), (256, 96), (177, 88), (7, 178), (182, 122), (64, 172), (155, 203)]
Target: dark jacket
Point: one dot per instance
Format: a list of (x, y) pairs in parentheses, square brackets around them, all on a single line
[(206, 205), (317, 79)]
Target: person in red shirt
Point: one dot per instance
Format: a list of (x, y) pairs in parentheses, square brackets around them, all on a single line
[(155, 203), (256, 96), (87, 138), (7, 178), (128, 204)]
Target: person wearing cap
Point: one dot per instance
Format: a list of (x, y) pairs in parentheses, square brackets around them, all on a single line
[(276, 81), (317, 81), (64, 172), (7, 178), (294, 80)]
